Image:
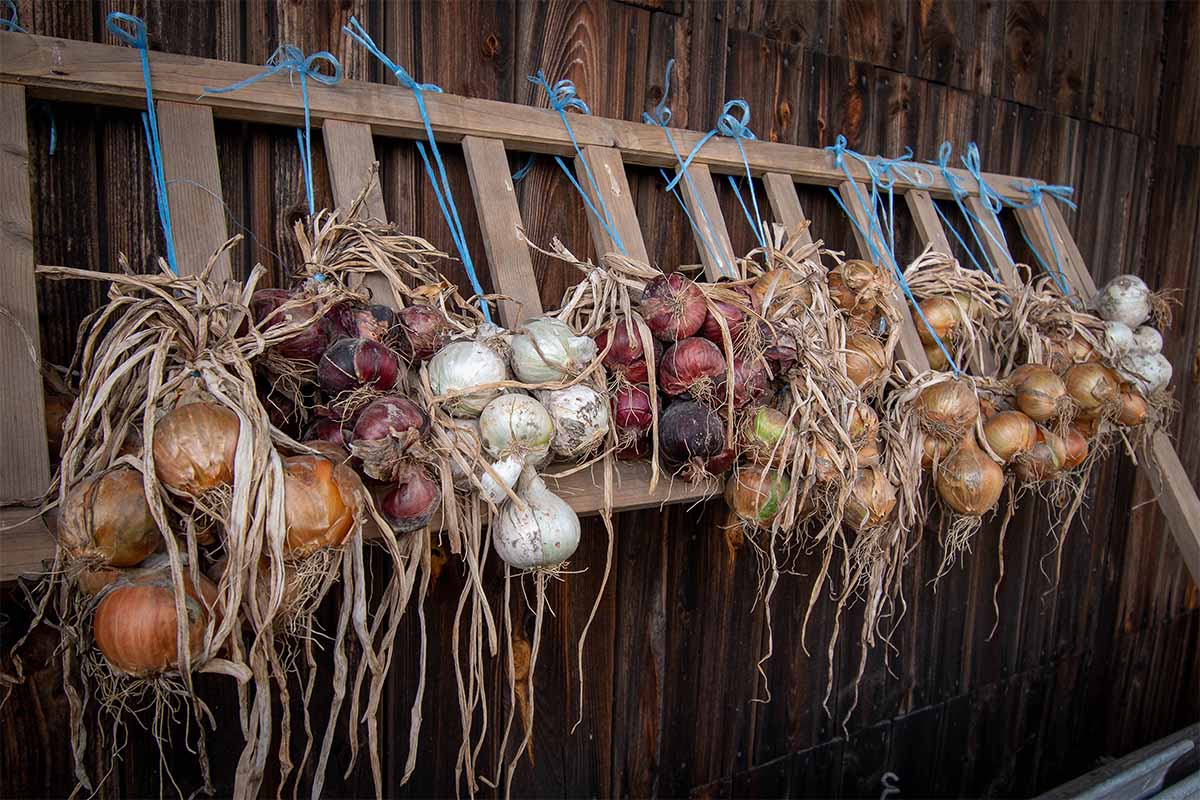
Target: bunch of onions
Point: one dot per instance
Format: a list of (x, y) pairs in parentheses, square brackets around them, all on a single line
[(626, 356), (761, 435), (943, 317), (1010, 434), (755, 494), (969, 481), (866, 360), (542, 531), (470, 367), (273, 307), (546, 350), (947, 409), (1041, 394), (351, 364), (1044, 460), (1095, 389), (673, 307), (322, 501), (135, 625), (105, 519), (375, 322), (384, 433), (690, 433), (195, 446), (1133, 408), (517, 431), (871, 500), (859, 288), (580, 417), (412, 502), (692, 366)]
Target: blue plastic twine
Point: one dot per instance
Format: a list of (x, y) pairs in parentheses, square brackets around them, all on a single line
[(137, 39), (883, 173), (524, 170), (12, 23), (1037, 193), (438, 179), (563, 96), (291, 59)]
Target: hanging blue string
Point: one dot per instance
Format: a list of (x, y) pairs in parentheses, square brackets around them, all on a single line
[(958, 193), (524, 170), (12, 23), (883, 173), (438, 180), (137, 39), (1037, 192), (662, 118), (563, 96), (291, 59)]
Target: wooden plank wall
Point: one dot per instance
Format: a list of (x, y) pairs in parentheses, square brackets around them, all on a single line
[(1108, 102)]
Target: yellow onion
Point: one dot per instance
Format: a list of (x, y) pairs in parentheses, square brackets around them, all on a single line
[(872, 499), (824, 461), (937, 358), (91, 580), (58, 406), (1075, 350), (947, 408), (106, 518), (987, 409), (1009, 434), (762, 434), (1077, 447), (866, 361), (1095, 389), (135, 624), (858, 287), (1042, 461), (321, 502), (867, 453), (942, 316), (755, 494), (1133, 408), (1042, 395), (778, 286), (194, 448), (969, 481), (935, 450), (1088, 427), (1022, 372)]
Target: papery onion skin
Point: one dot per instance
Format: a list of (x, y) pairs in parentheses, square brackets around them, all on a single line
[(1134, 409), (546, 350), (625, 359), (92, 580), (375, 322), (781, 353), (721, 462), (320, 503), (327, 429), (266, 306), (751, 383), (866, 360), (1042, 396), (948, 408), (105, 518), (353, 363), (694, 366), (775, 284), (823, 461), (195, 446), (631, 408), (673, 307), (756, 495), (541, 532), (580, 418), (58, 407), (858, 288), (935, 450), (943, 317), (1044, 460), (420, 332), (735, 317), (969, 481), (689, 430), (412, 503), (517, 424), (1009, 434), (761, 433), (871, 501), (1077, 448), (466, 366), (135, 623), (1094, 388)]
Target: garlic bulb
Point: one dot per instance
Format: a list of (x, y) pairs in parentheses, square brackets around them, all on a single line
[(516, 424), (1118, 337), (463, 366), (1149, 372), (542, 531), (547, 350), (580, 417), (1147, 340), (1125, 298), (508, 470)]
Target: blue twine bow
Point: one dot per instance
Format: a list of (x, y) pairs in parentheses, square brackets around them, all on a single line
[(883, 173), (738, 128), (563, 95), (662, 118), (137, 39), (957, 192), (291, 59), (439, 181), (12, 23), (1037, 192)]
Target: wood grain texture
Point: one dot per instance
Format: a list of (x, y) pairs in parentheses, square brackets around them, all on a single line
[(193, 175), (605, 166), (708, 221)]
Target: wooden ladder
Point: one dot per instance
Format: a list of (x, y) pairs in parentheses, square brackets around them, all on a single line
[(350, 115)]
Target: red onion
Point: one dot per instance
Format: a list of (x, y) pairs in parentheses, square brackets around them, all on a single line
[(721, 461), (385, 432), (735, 318), (631, 408), (351, 363), (690, 431), (626, 359), (751, 383), (374, 322), (414, 501), (635, 449), (327, 429), (781, 353), (693, 365), (305, 345), (421, 332), (673, 307)]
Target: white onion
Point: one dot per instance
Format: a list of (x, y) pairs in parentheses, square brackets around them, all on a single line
[(547, 350), (1119, 338), (1147, 340), (463, 366), (541, 531), (1149, 372), (516, 424), (580, 417), (1125, 298), (508, 470)]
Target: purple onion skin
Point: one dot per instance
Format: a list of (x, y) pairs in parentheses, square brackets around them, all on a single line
[(420, 332), (352, 363), (391, 415), (375, 322), (689, 430), (308, 344), (751, 383), (326, 429), (412, 503)]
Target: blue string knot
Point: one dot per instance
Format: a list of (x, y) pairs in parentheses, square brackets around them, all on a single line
[(563, 94), (735, 127)]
